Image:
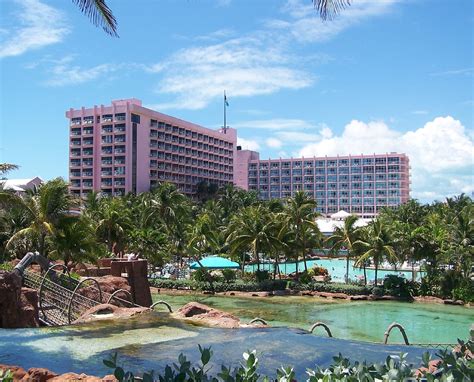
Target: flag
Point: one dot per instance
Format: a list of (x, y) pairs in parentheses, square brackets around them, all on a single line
[(225, 100)]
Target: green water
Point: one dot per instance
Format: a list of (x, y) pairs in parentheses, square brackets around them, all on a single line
[(364, 320)]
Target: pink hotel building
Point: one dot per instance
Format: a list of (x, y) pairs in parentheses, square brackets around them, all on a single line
[(126, 147)]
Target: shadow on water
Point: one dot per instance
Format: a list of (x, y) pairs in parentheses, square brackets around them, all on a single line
[(152, 341)]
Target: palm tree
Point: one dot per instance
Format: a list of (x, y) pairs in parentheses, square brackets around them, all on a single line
[(254, 229), (299, 214), (7, 167), (74, 241), (330, 8), (462, 239), (99, 14), (345, 237), (112, 223), (44, 209), (377, 246)]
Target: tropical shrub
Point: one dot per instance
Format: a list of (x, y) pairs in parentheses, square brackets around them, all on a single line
[(318, 271), (229, 275), (464, 291), (200, 275), (397, 286), (218, 286), (305, 277), (378, 291), (456, 365), (262, 275), (6, 375)]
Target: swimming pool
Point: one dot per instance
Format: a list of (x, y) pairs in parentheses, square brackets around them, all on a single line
[(155, 340), (357, 320), (335, 267)]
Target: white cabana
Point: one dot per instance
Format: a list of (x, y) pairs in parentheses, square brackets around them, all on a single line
[(341, 215)]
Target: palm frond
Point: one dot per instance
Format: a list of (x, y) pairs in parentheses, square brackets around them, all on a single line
[(99, 14), (328, 9)]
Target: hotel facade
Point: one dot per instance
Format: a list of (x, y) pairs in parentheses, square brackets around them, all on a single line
[(125, 147), (360, 184)]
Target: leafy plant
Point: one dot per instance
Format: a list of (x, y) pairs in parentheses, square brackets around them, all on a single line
[(6, 375), (456, 365)]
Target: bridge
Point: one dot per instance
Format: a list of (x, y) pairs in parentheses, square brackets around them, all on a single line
[(63, 299)]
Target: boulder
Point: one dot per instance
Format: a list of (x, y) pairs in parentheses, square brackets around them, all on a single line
[(359, 298), (17, 371), (109, 311), (18, 306), (82, 377), (38, 374), (341, 296), (203, 314)]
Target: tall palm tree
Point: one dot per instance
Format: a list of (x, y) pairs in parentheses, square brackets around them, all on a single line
[(299, 214), (74, 241), (254, 229), (377, 246), (44, 209), (113, 222), (345, 237)]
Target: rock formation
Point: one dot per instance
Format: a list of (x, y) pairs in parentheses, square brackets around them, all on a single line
[(203, 314), (18, 306)]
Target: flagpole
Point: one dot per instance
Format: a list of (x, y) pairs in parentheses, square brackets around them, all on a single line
[(225, 121)]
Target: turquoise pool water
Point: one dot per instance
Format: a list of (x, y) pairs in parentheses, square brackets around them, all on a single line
[(336, 268), (363, 320), (154, 340)]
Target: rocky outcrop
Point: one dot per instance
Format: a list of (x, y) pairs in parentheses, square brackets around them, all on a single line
[(203, 314), (108, 285), (108, 312), (36, 374), (18, 306)]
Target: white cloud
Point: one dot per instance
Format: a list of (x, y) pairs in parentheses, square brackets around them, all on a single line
[(39, 25), (248, 144), (306, 26), (274, 143), (63, 72), (441, 152), (243, 67), (275, 124)]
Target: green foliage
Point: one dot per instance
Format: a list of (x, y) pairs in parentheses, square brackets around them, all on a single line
[(305, 277), (456, 365), (464, 291), (200, 275), (316, 270), (229, 275), (6, 375), (397, 286), (6, 267), (262, 275), (317, 286), (218, 286)]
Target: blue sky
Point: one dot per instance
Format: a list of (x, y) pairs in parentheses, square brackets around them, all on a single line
[(384, 76)]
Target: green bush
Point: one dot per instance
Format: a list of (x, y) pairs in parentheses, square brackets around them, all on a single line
[(229, 275), (317, 286), (464, 291), (397, 286), (453, 366), (240, 286), (378, 291), (262, 275), (200, 275), (305, 277)]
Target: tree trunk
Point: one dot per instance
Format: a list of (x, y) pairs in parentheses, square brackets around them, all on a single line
[(347, 267), (376, 263), (365, 274), (42, 245)]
